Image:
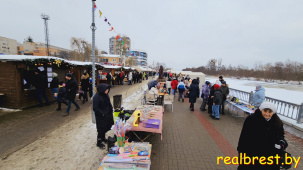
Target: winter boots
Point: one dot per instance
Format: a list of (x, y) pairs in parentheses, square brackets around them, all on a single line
[(100, 144)]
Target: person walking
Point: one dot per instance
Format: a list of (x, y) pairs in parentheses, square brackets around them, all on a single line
[(168, 85), (40, 87), (217, 100), (130, 77), (54, 84), (71, 90), (205, 94), (104, 113), (194, 92), (262, 135), (258, 97), (181, 89), (61, 95), (225, 92), (122, 78), (85, 86), (221, 79), (174, 85)]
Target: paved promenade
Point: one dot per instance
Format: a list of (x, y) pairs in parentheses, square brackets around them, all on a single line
[(192, 140)]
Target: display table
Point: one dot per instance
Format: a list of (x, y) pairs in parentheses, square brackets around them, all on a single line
[(129, 159), (146, 111), (238, 109)]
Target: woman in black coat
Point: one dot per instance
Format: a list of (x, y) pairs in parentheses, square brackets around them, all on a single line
[(194, 92), (262, 135), (104, 113)]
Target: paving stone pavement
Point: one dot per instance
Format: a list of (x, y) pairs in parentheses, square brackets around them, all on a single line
[(192, 140)]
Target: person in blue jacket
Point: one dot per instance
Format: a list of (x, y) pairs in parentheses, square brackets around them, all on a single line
[(259, 96)]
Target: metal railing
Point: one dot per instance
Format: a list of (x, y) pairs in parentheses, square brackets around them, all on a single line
[(287, 109)]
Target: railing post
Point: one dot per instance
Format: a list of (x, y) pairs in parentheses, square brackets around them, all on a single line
[(300, 114), (251, 94)]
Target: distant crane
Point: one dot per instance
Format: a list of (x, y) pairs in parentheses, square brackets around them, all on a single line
[(46, 18)]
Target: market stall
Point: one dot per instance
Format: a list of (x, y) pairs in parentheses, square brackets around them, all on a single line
[(151, 120)]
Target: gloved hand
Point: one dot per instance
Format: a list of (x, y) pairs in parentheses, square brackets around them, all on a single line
[(277, 146)]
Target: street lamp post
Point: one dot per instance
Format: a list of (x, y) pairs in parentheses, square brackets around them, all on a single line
[(93, 27)]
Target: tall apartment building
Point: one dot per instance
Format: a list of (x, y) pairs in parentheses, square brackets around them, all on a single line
[(8, 46), (141, 57), (116, 46)]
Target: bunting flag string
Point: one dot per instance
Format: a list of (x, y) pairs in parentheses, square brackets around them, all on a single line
[(111, 27)]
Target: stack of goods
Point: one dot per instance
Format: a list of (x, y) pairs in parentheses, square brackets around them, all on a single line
[(135, 155), (120, 128)]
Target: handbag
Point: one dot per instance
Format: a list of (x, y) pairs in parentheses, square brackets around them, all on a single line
[(283, 162)]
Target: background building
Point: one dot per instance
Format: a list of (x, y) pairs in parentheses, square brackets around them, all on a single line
[(39, 49), (140, 56), (108, 59), (8, 46), (121, 45)]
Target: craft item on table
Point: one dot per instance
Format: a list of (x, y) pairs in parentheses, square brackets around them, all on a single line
[(120, 128), (113, 150), (153, 123), (137, 115), (143, 153), (121, 150)]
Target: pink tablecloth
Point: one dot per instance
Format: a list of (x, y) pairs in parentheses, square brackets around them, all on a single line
[(141, 127)]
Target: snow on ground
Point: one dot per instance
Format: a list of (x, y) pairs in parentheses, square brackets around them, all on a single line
[(285, 92), (71, 146)]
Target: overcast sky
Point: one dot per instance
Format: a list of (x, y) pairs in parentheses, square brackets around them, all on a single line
[(180, 33)]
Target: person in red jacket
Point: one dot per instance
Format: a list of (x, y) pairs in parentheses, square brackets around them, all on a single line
[(174, 85)]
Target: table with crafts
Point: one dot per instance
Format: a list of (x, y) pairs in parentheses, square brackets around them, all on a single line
[(134, 156), (239, 109), (150, 121)]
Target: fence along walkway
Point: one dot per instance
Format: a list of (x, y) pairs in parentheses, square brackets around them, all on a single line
[(287, 109)]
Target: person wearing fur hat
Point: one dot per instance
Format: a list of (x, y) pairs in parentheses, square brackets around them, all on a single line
[(71, 91), (217, 101), (262, 135), (225, 92), (205, 93), (259, 96)]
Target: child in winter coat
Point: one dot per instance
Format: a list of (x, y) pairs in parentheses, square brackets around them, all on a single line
[(217, 100), (61, 96)]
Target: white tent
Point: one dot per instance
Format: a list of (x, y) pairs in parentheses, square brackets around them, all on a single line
[(194, 75)]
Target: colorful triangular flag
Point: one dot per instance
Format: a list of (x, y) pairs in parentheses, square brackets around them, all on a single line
[(117, 37), (105, 19), (111, 29), (100, 13), (95, 6), (109, 24)]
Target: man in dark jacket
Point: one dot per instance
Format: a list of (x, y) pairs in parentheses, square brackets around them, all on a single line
[(217, 100), (85, 86), (54, 84), (40, 86), (104, 113), (109, 79), (71, 90), (61, 95), (194, 93), (225, 92), (210, 100)]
